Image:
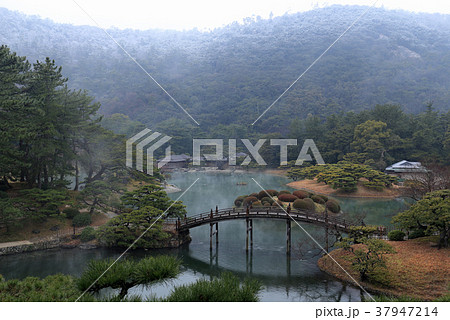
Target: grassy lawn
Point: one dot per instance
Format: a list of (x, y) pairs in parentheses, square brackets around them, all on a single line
[(418, 269)]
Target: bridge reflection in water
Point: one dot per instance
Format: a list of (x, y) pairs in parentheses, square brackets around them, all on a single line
[(294, 279)]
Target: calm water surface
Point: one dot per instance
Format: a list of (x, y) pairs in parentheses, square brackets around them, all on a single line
[(284, 279)]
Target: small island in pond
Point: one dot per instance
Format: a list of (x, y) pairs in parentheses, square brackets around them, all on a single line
[(300, 199)]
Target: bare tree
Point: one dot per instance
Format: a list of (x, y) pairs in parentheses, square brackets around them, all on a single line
[(435, 177)]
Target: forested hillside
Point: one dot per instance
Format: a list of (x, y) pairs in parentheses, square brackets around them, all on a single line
[(230, 75)]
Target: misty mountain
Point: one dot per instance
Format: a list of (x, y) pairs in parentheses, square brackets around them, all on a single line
[(232, 74)]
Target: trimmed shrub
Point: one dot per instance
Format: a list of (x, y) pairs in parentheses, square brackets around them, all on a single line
[(249, 200), (333, 206), (317, 199), (301, 194), (325, 198), (416, 233), (287, 197), (239, 200), (396, 235), (254, 194), (257, 204), (301, 204), (311, 202), (263, 193), (266, 204), (283, 192), (87, 234), (272, 192), (267, 199), (277, 203), (82, 220), (71, 212)]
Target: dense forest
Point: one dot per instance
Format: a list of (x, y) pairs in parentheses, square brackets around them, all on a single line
[(378, 137), (230, 75)]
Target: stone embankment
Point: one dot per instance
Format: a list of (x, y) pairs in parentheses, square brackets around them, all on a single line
[(26, 246), (66, 241)]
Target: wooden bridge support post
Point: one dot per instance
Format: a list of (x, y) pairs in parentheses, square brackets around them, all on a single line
[(210, 236), (288, 237), (211, 232), (217, 233), (249, 234), (326, 230), (246, 238)]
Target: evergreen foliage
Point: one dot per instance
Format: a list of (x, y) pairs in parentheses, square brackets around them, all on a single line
[(431, 214), (226, 288), (87, 234), (396, 235), (125, 274), (344, 176)]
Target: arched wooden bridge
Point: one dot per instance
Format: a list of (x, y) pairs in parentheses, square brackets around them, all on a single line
[(325, 220)]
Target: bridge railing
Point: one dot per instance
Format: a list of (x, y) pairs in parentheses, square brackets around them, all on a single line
[(265, 211)]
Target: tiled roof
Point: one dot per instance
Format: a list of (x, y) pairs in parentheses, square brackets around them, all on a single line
[(405, 165)]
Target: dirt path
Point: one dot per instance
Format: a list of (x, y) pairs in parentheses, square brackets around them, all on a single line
[(14, 244)]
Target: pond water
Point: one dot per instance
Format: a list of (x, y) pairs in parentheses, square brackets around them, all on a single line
[(284, 279)]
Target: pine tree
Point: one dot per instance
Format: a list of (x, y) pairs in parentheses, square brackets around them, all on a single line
[(14, 71)]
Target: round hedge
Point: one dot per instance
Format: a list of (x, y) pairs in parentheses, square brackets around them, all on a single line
[(333, 206), (301, 204), (82, 219), (317, 199), (285, 197), (239, 200), (396, 235), (417, 233), (277, 203), (267, 199), (249, 200), (87, 234), (283, 192), (257, 204), (325, 198), (254, 194), (266, 204), (311, 202), (271, 192), (301, 194), (71, 212)]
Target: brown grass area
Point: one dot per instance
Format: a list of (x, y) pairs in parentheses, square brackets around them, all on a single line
[(362, 192), (277, 172), (418, 269), (25, 230)]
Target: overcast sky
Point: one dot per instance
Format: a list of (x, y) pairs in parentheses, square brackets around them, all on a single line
[(188, 14)]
